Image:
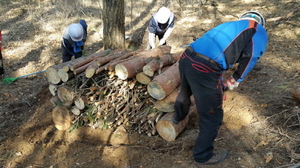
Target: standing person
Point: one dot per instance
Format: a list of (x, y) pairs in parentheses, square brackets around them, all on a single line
[(1, 58), (161, 24), (73, 40), (201, 65)]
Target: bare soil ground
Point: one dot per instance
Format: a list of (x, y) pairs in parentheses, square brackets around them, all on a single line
[(261, 122)]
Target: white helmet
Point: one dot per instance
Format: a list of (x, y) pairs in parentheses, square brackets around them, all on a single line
[(163, 15), (254, 15), (76, 31)]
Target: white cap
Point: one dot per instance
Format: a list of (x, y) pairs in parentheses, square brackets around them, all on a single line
[(75, 31), (163, 15)]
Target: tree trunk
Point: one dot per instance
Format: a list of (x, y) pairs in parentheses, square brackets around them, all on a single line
[(168, 130), (164, 84), (114, 24), (1, 58)]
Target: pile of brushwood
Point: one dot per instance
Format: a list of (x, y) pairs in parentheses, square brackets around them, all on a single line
[(136, 89)]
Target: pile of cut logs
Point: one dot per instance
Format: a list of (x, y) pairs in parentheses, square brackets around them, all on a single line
[(136, 89)]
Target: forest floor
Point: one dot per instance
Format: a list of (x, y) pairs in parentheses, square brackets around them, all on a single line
[(261, 118)]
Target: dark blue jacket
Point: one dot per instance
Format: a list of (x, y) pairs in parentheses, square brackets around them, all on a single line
[(158, 28), (242, 41)]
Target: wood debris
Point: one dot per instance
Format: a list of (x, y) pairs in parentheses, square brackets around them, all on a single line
[(102, 90)]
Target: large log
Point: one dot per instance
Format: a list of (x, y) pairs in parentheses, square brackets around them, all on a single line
[(65, 75), (167, 104), (145, 79), (164, 84), (130, 68), (85, 60), (111, 65), (92, 69), (161, 61), (61, 118), (168, 130), (52, 75), (65, 95), (52, 71)]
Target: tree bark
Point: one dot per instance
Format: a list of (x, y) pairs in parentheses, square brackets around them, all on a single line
[(168, 130), (1, 58), (130, 68), (164, 60), (164, 84), (114, 24), (85, 60)]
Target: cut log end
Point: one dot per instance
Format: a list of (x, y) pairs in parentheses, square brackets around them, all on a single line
[(61, 118), (121, 71), (166, 130), (52, 75), (143, 78), (156, 91), (90, 73)]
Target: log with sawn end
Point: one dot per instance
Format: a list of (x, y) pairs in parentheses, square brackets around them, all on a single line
[(167, 104), (168, 130), (159, 62), (130, 68), (65, 95), (53, 89), (65, 76), (164, 84), (84, 60), (145, 79), (61, 117), (92, 68)]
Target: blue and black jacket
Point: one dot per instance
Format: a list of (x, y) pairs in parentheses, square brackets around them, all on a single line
[(242, 41), (69, 44)]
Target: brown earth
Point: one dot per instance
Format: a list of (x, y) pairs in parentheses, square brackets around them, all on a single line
[(261, 122)]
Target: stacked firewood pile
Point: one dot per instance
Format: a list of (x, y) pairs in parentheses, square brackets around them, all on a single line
[(136, 89)]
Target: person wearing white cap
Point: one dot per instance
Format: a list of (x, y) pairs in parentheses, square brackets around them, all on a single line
[(73, 40), (161, 24)]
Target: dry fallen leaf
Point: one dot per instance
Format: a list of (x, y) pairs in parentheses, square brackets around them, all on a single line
[(268, 157), (261, 143)]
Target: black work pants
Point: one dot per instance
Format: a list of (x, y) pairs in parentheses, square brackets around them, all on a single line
[(202, 79), (67, 53)]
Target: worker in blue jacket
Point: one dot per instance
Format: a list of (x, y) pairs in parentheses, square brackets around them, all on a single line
[(73, 40), (201, 68)]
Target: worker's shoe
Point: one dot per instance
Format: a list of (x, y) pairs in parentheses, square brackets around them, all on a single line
[(218, 157)]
